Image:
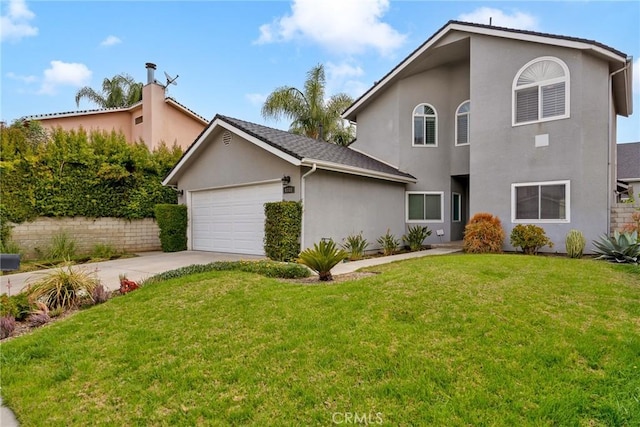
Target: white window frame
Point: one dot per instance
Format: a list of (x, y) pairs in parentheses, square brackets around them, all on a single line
[(468, 114), (540, 84), (413, 127), (567, 201), (426, 193), (455, 195)]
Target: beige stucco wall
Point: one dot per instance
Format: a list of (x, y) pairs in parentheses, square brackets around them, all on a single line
[(162, 121), (120, 121), (127, 235)]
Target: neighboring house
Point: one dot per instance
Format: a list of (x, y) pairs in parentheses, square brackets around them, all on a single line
[(629, 170), (156, 118), (477, 119)]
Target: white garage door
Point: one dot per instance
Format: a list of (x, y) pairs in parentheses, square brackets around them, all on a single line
[(231, 219)]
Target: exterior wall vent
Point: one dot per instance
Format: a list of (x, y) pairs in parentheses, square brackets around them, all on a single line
[(227, 137)]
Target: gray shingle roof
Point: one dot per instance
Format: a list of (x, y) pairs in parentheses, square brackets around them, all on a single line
[(302, 147), (628, 161)]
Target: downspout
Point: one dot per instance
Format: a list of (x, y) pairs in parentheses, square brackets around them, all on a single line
[(302, 195), (610, 191)]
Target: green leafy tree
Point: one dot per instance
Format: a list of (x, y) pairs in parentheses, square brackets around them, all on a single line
[(309, 111), (119, 91)]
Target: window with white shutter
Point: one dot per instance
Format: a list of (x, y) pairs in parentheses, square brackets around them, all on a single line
[(425, 126), (541, 91), (462, 123)]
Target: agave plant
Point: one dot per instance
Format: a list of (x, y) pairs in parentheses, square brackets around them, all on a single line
[(322, 258), (621, 247)]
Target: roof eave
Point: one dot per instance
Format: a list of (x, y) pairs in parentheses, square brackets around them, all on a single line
[(352, 170)]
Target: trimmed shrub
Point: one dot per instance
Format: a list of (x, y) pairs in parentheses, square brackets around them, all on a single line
[(529, 238), (575, 243), (416, 236), (389, 243), (355, 245), (172, 221), (483, 234), (282, 228), (322, 258)]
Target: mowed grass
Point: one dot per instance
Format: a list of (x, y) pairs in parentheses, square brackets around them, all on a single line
[(456, 340)]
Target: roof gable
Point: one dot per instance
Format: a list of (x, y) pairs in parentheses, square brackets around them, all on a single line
[(604, 51), (296, 149)]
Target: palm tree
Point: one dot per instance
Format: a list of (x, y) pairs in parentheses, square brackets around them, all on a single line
[(119, 91), (308, 111)]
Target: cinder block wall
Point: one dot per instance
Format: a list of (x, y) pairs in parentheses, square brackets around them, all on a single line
[(128, 235), (621, 215)]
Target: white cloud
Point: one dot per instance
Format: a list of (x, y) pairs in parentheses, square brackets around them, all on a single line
[(24, 79), (344, 78), (342, 26), (256, 98), (636, 76), (516, 19), (64, 74), (15, 24), (110, 41)]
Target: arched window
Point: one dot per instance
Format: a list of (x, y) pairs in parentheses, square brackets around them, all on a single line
[(541, 91), (462, 123), (425, 126)]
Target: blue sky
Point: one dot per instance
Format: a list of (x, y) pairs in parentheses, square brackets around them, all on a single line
[(230, 55)]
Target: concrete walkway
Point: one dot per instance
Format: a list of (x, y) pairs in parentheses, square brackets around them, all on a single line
[(149, 263)]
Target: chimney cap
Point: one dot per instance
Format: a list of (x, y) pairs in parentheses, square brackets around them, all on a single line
[(150, 65)]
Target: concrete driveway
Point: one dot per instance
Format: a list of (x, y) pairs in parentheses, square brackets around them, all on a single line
[(144, 265)]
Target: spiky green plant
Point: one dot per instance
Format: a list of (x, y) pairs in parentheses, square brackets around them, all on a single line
[(355, 245), (63, 287), (621, 248), (389, 243), (322, 258), (416, 236), (575, 243)]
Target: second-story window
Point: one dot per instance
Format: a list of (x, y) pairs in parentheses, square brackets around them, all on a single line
[(462, 123), (425, 126), (541, 91)]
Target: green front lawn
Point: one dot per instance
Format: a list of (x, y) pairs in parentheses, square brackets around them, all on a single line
[(449, 340)]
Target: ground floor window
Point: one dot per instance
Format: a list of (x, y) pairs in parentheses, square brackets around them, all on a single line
[(424, 206), (540, 201)]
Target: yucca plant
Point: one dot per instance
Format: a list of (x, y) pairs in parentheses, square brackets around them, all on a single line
[(63, 287), (355, 245), (322, 258), (621, 248), (389, 243), (416, 236), (575, 243)]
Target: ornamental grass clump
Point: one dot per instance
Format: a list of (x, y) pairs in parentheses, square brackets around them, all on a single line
[(575, 244), (389, 243), (529, 238), (483, 234), (355, 245), (63, 287), (416, 236), (620, 248), (322, 258)]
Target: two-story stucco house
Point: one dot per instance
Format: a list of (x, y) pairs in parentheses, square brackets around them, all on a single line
[(477, 119), (155, 119)]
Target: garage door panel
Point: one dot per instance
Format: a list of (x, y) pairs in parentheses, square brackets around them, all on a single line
[(232, 219)]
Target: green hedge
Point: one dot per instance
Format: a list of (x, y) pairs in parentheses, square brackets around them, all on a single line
[(172, 221), (74, 173), (283, 225)]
